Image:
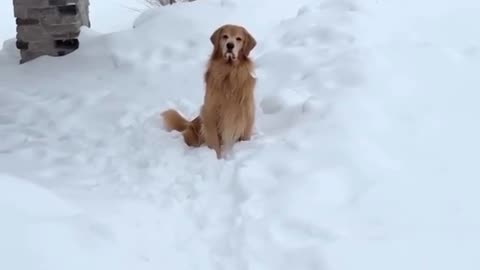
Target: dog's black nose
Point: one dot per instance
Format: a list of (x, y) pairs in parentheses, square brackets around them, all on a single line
[(230, 46)]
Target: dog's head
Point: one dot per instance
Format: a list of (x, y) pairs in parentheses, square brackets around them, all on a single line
[(232, 43)]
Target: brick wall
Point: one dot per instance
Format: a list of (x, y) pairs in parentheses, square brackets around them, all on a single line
[(49, 27)]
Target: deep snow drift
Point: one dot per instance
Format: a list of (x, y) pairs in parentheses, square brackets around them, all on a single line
[(363, 155)]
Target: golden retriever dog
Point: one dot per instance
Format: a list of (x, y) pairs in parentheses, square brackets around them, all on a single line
[(228, 112)]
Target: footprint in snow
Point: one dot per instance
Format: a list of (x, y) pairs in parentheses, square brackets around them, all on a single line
[(284, 110)]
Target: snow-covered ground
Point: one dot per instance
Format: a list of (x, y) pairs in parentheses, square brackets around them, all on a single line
[(364, 156)]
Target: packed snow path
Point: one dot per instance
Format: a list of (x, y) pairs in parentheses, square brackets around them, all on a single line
[(347, 168)]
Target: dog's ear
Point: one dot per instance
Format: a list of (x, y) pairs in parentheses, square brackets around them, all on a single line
[(249, 43), (214, 38)]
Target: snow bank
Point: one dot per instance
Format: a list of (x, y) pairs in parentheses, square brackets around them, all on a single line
[(41, 231)]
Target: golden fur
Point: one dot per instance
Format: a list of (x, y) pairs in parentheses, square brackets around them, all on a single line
[(228, 111)]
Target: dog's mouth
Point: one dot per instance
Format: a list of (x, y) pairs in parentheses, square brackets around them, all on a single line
[(230, 56)]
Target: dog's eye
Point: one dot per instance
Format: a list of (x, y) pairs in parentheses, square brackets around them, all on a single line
[(224, 36), (239, 39)]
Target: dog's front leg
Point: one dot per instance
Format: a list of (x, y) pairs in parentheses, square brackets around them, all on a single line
[(213, 142), (250, 120), (210, 132), (247, 133)]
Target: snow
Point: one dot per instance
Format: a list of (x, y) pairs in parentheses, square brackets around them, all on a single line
[(114, 15), (364, 154)]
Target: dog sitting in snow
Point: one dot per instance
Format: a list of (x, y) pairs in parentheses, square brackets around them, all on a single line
[(228, 112)]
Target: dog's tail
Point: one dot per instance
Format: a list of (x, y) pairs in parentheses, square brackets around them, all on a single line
[(172, 120), (191, 130)]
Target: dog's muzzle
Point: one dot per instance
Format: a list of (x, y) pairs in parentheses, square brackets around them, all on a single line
[(229, 55)]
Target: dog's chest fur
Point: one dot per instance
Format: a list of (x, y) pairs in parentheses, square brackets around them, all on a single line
[(229, 85), (229, 99)]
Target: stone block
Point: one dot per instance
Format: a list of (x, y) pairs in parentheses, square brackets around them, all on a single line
[(68, 44), (20, 12), (32, 33), (41, 13), (64, 36), (64, 2), (28, 55), (43, 46), (32, 50), (22, 45), (32, 3), (45, 3), (30, 21)]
